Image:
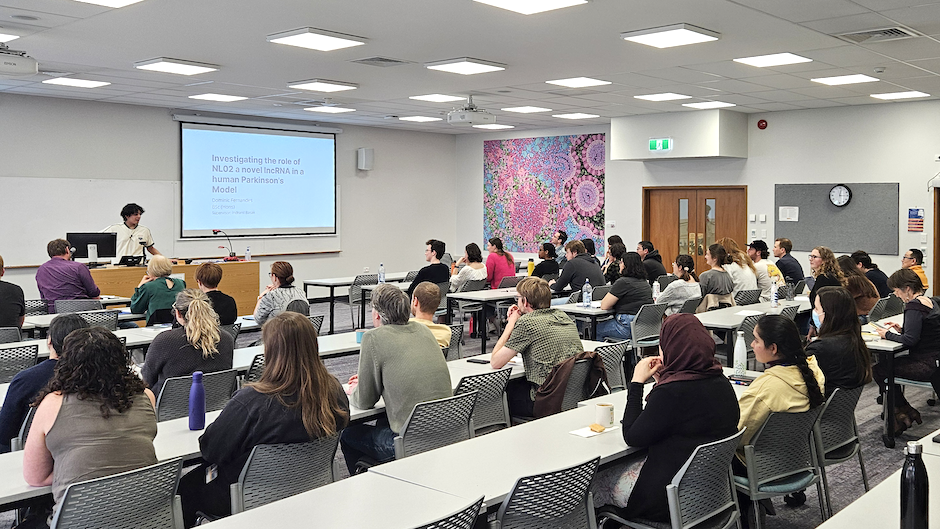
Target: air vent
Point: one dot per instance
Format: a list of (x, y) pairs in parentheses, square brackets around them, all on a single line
[(872, 36), (382, 62)]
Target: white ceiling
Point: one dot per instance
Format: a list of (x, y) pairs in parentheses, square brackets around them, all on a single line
[(99, 43)]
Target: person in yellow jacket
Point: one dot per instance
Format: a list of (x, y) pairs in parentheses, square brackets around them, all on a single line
[(914, 260)]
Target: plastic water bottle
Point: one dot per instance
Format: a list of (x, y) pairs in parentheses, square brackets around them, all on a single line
[(248, 253), (655, 289), (381, 273), (914, 488), (531, 266), (740, 356), (586, 292), (197, 403), (774, 296)]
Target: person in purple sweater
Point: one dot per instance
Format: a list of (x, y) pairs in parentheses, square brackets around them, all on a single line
[(62, 278)]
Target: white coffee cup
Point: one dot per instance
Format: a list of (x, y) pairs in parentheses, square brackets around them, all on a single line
[(604, 414)]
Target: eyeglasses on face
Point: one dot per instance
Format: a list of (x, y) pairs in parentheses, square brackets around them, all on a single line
[(811, 256)]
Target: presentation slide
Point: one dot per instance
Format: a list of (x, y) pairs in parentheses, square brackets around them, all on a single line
[(257, 182)]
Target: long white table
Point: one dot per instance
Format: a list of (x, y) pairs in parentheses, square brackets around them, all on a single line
[(333, 282)]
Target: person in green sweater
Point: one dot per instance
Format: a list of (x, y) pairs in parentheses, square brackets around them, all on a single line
[(157, 291), (399, 362)]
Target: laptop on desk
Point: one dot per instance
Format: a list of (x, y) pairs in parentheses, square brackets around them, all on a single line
[(131, 260)]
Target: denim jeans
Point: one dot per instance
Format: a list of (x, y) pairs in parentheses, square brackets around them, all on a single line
[(618, 327), (376, 442)]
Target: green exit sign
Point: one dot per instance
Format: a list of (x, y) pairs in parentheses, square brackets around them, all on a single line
[(660, 144)]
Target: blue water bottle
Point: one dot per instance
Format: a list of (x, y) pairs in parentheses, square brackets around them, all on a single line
[(197, 403)]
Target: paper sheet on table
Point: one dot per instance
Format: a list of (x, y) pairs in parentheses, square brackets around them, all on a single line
[(587, 432), (748, 313), (126, 310), (595, 304), (870, 337), (801, 298)]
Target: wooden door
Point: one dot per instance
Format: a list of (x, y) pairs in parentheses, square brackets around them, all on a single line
[(686, 220)]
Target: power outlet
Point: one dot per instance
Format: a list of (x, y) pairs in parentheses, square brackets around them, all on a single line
[(365, 269)]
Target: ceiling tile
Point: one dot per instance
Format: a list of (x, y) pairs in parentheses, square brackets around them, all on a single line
[(681, 75), (908, 49), (881, 5), (781, 96), (824, 92), (832, 26), (923, 18), (803, 10), (734, 86), (781, 81), (774, 107), (816, 103)]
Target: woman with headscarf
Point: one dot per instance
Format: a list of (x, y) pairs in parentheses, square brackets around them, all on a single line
[(691, 404)]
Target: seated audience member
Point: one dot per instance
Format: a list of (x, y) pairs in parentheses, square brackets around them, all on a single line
[(12, 303), (626, 296), (715, 282), (872, 272), (840, 351), (739, 266), (615, 255), (61, 278), (199, 345), (652, 261), (612, 240), (579, 266), (436, 272), (548, 266), (790, 268), (278, 295), (499, 263), (28, 382), (399, 362), (825, 269), (542, 335), (691, 404), (208, 276), (914, 260), (559, 238), (424, 303), (157, 291), (758, 252), (591, 249), (297, 400), (920, 334), (474, 271), (862, 290), (684, 288), (95, 417)]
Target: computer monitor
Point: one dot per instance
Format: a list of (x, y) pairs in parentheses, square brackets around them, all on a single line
[(107, 244)]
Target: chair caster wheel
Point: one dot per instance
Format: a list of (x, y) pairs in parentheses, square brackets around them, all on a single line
[(796, 499), (880, 399), (931, 402)]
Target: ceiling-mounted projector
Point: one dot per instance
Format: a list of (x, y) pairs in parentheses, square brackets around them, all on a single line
[(13, 62), (470, 115)]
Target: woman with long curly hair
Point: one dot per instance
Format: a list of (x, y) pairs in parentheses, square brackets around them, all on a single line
[(739, 266), (826, 270)]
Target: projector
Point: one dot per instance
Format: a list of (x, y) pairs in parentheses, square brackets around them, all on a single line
[(470, 115), (16, 63)]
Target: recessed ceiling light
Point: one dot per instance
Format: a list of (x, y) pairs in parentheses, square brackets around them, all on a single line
[(465, 66), (576, 115), (322, 85), (218, 97), (708, 104), (330, 110), (529, 7), (900, 95), (165, 65), (316, 39), (774, 59), (526, 110), (494, 126), (4, 37), (667, 96), (845, 79), (669, 36), (78, 83), (419, 119), (109, 3), (578, 82), (438, 98)]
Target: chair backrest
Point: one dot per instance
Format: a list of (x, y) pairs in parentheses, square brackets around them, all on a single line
[(554, 499), (317, 322), (161, 316), (665, 280), (575, 297), (410, 276), (799, 287), (300, 306), (491, 406), (173, 401), (444, 288), (277, 471), (894, 306), (836, 427), (63, 306), (550, 277), (598, 293), (648, 322), (782, 447), (139, 498), (232, 329), (702, 489), (37, 307), (878, 311), (747, 297), (575, 391), (19, 442), (355, 290), (447, 259), (256, 368), (101, 318), (10, 334), (690, 305), (509, 281), (452, 352), (747, 326), (613, 364), (790, 312), (462, 519), (472, 285), (436, 423), (15, 359)]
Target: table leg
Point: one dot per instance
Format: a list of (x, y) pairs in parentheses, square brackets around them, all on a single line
[(729, 347), (887, 437), (481, 322), (332, 305), (450, 312), (594, 327), (362, 308)]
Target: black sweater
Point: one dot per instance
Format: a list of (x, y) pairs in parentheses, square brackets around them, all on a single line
[(837, 361), (436, 273), (25, 386), (171, 355), (825, 280), (224, 306), (545, 268), (678, 417)]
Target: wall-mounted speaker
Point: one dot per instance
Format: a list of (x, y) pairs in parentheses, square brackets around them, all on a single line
[(365, 157)]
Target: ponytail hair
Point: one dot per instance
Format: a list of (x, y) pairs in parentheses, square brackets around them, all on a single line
[(202, 322), (780, 330), (686, 267), (498, 244)]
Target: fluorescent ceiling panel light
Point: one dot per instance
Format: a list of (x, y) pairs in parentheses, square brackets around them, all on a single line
[(78, 83), (165, 65), (438, 98), (900, 95), (526, 110), (322, 85), (708, 104), (330, 110), (576, 115), (494, 126), (578, 82), (774, 59), (667, 96), (845, 79), (4, 37), (316, 39), (221, 98), (419, 119), (529, 7), (109, 3), (669, 36), (465, 66)]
